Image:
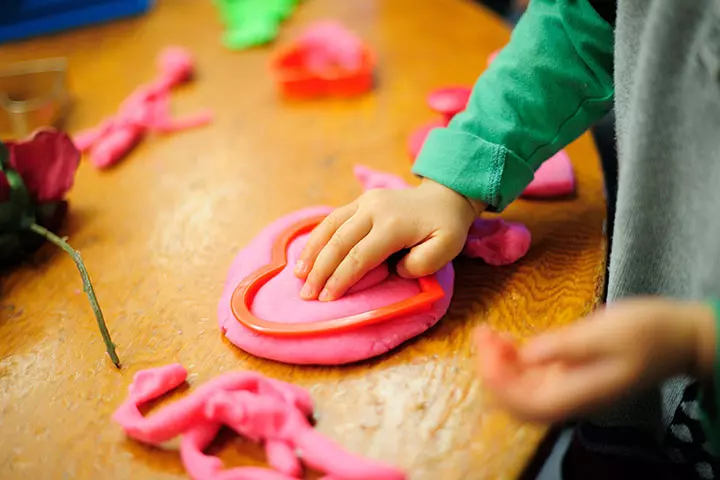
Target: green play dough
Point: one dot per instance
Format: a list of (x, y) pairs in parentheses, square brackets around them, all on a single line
[(251, 23)]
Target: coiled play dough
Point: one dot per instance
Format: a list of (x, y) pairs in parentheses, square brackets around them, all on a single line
[(264, 410)]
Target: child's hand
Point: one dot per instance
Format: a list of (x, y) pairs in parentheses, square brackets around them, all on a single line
[(431, 220), (625, 347)]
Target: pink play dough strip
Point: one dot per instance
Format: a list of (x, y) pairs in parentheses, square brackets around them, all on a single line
[(147, 109), (256, 407), (207, 467)]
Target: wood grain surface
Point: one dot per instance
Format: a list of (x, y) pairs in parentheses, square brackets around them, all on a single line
[(159, 231)]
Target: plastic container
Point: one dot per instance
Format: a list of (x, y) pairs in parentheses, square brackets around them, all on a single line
[(33, 94), (23, 19)]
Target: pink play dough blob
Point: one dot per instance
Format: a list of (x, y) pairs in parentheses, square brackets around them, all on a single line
[(497, 242), (279, 300), (449, 101), (330, 45), (554, 178)]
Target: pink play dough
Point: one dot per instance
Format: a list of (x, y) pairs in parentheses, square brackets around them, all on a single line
[(279, 299), (261, 409), (497, 242), (449, 101), (147, 109), (554, 178), (330, 45)]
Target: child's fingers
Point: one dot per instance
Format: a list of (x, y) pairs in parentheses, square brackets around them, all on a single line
[(427, 257), (320, 236), (579, 342), (369, 252), (550, 393), (530, 392), (336, 249), (564, 376), (497, 356)]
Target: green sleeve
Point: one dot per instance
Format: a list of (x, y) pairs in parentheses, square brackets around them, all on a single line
[(709, 399), (547, 86)]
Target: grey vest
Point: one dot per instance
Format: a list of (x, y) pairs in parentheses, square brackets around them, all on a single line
[(667, 224)]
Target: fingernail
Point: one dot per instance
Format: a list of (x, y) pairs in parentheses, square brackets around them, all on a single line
[(325, 295), (307, 292), (300, 268)]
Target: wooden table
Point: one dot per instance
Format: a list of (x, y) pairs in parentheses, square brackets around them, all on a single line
[(159, 231)]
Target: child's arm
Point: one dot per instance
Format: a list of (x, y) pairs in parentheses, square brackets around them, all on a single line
[(550, 83), (547, 86)]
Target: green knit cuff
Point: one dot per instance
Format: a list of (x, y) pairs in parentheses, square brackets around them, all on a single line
[(473, 167), (709, 400)]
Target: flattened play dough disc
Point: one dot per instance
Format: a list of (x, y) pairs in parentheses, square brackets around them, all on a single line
[(279, 300)]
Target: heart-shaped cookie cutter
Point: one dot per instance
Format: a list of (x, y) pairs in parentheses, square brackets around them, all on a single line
[(244, 294)]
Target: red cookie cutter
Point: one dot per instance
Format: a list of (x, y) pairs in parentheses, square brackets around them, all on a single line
[(327, 60), (244, 294)]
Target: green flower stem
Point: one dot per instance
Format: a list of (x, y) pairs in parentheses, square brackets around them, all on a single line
[(87, 287)]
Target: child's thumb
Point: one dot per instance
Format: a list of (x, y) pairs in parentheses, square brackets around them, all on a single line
[(426, 258)]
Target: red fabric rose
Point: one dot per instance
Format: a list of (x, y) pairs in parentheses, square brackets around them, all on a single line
[(47, 163)]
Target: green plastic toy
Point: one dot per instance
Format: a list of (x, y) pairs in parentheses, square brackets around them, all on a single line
[(250, 23)]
